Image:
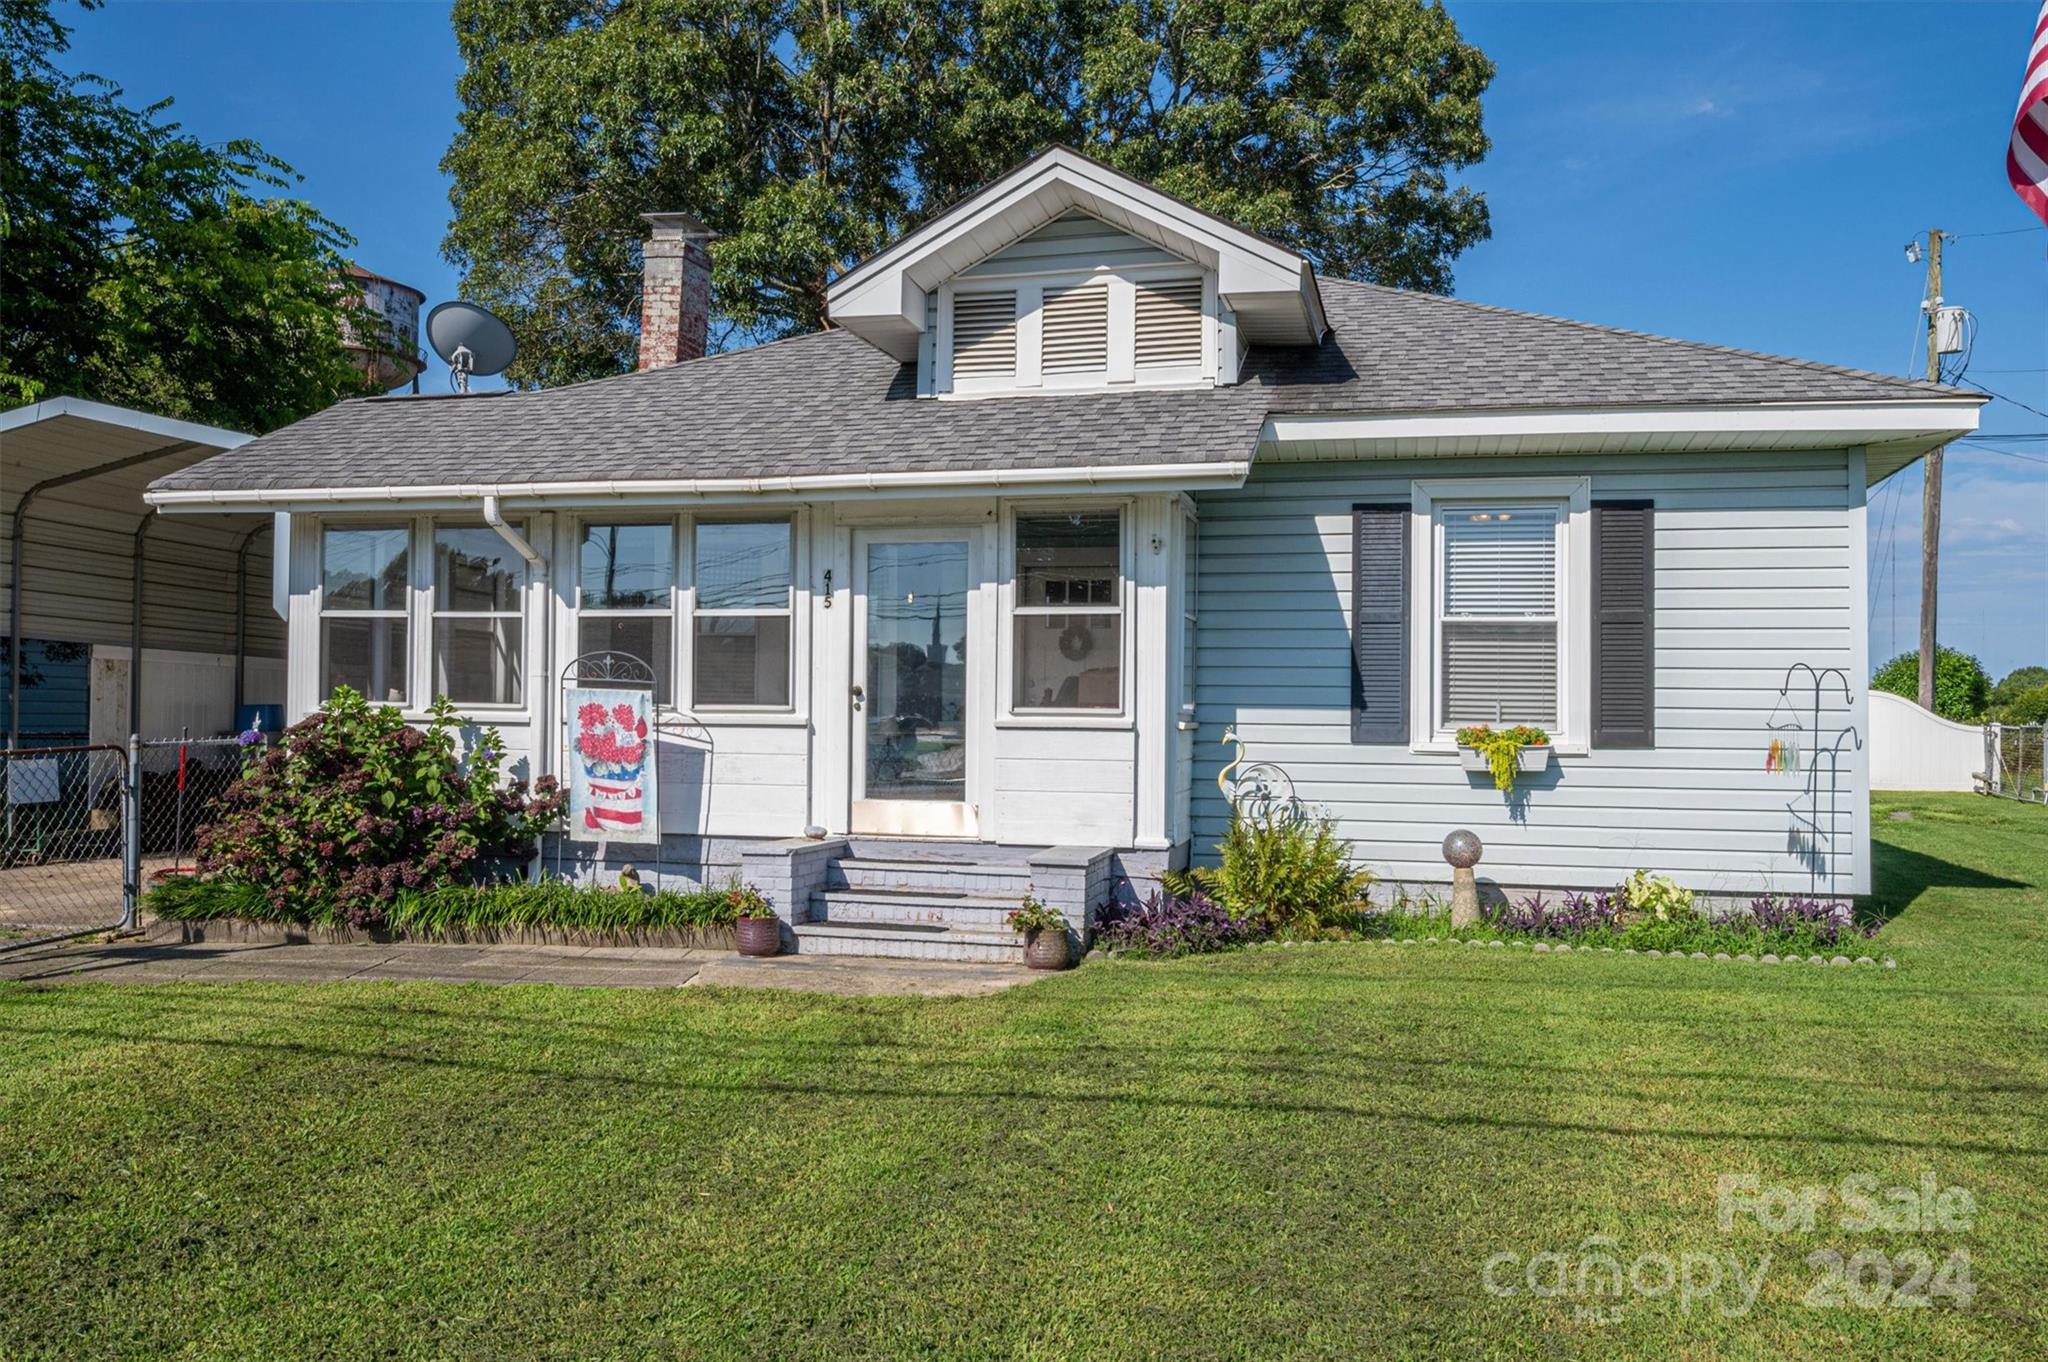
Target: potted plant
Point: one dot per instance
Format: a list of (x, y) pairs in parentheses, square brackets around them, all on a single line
[(1045, 934), (755, 926), (1507, 752)]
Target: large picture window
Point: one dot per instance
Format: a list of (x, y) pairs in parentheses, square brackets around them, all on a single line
[(1067, 616), (1498, 613), (626, 577), (364, 587), (478, 584), (742, 616)]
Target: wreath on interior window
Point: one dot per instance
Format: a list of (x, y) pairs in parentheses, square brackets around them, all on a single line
[(1076, 642)]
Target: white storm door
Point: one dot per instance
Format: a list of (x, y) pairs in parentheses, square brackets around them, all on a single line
[(916, 707)]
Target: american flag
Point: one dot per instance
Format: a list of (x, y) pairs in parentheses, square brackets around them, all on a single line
[(2026, 158)]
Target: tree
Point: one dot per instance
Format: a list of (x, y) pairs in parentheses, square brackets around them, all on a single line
[(2018, 682), (139, 266), (809, 136), (1961, 688)]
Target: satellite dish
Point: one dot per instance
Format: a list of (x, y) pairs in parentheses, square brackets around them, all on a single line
[(470, 341)]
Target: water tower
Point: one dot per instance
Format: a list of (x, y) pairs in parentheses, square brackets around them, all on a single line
[(380, 328)]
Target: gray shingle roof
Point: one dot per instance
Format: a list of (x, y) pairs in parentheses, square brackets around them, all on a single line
[(1392, 350), (830, 403), (818, 404)]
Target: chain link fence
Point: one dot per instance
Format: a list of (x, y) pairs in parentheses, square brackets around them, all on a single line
[(2014, 761), (63, 841), (88, 828)]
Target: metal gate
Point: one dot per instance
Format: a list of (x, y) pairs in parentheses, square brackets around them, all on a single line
[(87, 829), (66, 863)]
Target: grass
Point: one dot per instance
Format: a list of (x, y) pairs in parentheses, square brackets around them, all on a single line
[(459, 910), (1305, 1152)]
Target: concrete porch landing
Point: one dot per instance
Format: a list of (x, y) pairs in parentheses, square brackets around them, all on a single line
[(132, 961)]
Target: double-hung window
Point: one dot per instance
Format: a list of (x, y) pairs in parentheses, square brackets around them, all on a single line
[(1067, 614), (365, 588), (626, 576), (741, 643), (1499, 588), (479, 582)]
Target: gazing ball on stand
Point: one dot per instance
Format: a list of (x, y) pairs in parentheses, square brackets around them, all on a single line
[(1462, 850)]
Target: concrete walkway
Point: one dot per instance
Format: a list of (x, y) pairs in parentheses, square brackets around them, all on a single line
[(140, 962)]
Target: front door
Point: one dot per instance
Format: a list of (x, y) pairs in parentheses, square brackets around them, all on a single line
[(913, 707)]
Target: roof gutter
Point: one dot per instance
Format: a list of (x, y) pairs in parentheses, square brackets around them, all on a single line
[(1224, 474)]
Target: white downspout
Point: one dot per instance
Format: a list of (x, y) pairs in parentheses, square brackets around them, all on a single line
[(496, 520)]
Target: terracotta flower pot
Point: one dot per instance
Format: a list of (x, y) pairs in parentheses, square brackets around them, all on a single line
[(759, 935), (1045, 949)]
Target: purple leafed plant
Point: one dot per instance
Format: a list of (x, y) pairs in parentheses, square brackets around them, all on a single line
[(1573, 914), (1829, 919), (1166, 926)]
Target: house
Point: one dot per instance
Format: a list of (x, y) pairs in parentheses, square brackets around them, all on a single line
[(89, 574), (961, 595)]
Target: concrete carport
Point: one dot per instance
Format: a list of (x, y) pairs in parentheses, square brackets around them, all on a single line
[(94, 578)]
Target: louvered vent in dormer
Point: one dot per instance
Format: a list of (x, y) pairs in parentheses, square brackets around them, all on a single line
[(1074, 336), (1169, 324), (985, 335)]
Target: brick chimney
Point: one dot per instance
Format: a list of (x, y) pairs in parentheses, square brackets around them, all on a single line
[(675, 291)]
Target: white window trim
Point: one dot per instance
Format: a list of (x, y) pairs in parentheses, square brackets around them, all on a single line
[(1121, 372), (435, 612), (795, 712), (578, 612), (1007, 713), (1575, 603)]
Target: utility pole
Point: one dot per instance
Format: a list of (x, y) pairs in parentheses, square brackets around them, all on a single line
[(1930, 497)]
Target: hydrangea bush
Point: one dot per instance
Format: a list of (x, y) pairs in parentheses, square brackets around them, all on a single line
[(351, 807)]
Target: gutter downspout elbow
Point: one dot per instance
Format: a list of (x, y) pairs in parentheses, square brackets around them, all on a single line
[(496, 520)]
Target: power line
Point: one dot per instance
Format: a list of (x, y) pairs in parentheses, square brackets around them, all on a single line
[(2010, 454), (2003, 398), (2010, 231)]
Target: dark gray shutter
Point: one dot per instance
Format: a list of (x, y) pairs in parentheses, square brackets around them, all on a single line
[(1379, 624), (1624, 624)]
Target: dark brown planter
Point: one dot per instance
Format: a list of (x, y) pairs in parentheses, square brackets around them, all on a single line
[(759, 935), (1045, 949)]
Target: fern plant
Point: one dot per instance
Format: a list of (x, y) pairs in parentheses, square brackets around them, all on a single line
[(1288, 874)]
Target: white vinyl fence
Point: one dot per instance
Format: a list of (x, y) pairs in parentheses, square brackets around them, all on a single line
[(1911, 749)]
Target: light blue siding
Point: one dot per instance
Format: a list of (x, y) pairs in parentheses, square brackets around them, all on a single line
[(1755, 570)]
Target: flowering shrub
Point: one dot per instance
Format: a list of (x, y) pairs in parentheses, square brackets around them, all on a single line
[(348, 809), (1828, 921), (1168, 926)]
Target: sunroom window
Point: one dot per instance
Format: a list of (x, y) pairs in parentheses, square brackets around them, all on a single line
[(1067, 618), (626, 594), (478, 587), (364, 587), (1498, 613), (742, 614)]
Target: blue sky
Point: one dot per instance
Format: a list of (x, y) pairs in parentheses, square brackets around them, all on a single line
[(1745, 174)]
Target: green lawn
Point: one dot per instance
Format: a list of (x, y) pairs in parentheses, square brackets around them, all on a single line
[(1305, 1152)]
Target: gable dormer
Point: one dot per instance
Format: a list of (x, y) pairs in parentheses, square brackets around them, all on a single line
[(1065, 275)]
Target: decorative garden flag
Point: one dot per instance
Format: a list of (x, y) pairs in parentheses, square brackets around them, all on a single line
[(611, 766), (2026, 156)]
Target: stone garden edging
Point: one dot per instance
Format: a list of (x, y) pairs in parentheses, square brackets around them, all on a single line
[(196, 930)]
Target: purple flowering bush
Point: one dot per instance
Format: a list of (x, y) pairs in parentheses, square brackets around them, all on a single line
[(1571, 916), (1826, 921), (348, 809), (1171, 925)]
